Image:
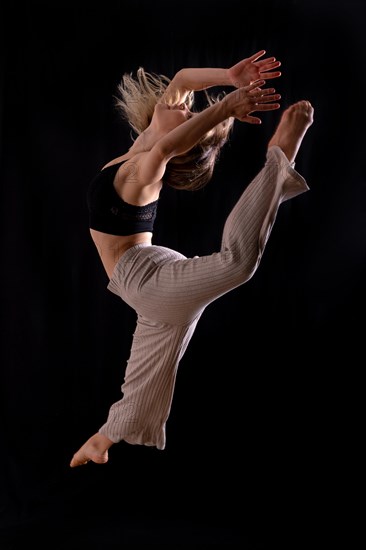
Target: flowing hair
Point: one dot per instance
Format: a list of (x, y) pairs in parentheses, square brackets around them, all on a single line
[(136, 99)]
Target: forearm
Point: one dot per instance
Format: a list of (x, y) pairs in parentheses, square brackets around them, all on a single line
[(193, 80), (184, 137), (200, 79), (237, 104)]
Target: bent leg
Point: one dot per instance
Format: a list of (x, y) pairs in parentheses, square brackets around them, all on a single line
[(161, 284), (250, 223)]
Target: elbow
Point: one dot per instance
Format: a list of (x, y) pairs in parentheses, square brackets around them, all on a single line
[(181, 84), (180, 77)]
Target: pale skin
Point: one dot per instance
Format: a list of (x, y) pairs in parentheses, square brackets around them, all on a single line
[(138, 181), (174, 131)]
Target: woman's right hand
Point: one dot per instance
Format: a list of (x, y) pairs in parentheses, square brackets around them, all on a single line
[(248, 99)]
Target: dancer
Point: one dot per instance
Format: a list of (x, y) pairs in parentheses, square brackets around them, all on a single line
[(179, 147)]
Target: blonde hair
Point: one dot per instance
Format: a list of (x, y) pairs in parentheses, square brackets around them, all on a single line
[(136, 99)]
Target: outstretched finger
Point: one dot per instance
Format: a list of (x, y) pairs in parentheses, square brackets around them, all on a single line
[(273, 74), (269, 63), (250, 119), (259, 93), (268, 98), (266, 106), (256, 56), (253, 85)]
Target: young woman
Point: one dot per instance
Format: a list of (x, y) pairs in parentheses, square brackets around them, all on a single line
[(169, 292)]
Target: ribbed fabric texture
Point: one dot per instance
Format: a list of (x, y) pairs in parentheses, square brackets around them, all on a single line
[(169, 293)]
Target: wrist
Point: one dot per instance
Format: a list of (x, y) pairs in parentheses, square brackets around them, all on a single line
[(227, 79), (225, 108)]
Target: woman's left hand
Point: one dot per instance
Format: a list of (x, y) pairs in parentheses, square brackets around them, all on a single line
[(250, 69)]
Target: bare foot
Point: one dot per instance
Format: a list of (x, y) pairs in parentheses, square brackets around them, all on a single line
[(293, 125), (95, 450)]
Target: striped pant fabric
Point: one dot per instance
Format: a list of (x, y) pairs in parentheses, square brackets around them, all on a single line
[(169, 293)]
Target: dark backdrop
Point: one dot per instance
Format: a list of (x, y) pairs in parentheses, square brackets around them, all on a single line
[(263, 429)]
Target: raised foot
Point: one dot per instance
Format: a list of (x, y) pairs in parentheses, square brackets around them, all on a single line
[(94, 450), (294, 123)]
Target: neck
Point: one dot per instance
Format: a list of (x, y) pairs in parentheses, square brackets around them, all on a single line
[(146, 140)]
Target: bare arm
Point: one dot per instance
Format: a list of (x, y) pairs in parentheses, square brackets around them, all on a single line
[(238, 104), (192, 80), (241, 74)]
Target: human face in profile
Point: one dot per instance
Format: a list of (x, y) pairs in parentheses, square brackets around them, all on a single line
[(169, 117)]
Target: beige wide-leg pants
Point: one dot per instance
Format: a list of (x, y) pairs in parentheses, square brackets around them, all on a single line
[(169, 293)]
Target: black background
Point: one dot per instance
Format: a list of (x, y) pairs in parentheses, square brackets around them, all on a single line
[(263, 439)]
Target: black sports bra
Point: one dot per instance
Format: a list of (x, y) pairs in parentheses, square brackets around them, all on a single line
[(111, 214)]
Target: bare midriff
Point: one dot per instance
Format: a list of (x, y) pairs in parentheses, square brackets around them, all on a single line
[(112, 247)]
